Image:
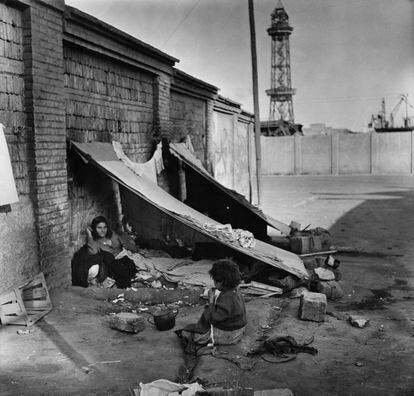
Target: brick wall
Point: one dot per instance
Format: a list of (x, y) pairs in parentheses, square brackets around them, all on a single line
[(43, 58), (18, 243), (105, 100)]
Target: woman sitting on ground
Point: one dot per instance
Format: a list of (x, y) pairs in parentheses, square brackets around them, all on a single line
[(224, 320), (102, 238), (97, 259)]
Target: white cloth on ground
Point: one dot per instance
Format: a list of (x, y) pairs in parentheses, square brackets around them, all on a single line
[(163, 387), (185, 271)]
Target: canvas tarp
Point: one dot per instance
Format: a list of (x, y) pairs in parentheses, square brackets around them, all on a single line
[(181, 151), (104, 157)]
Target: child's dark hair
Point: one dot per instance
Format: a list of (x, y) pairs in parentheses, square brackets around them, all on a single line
[(227, 272)]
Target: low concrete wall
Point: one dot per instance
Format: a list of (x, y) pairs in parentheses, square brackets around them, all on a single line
[(315, 153), (354, 154), (278, 156), (373, 153)]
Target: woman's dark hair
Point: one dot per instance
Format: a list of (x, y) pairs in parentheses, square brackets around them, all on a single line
[(95, 222), (226, 272)]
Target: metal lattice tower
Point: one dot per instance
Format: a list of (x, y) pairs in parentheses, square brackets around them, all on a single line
[(281, 92)]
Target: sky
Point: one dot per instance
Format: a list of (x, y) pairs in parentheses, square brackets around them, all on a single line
[(346, 55)]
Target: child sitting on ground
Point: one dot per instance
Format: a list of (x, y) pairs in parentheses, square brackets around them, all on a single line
[(224, 318)]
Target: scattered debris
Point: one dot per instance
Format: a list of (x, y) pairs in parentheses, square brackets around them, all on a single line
[(119, 297), (87, 370), (126, 321), (313, 307), (298, 292), (281, 349), (26, 331), (358, 321)]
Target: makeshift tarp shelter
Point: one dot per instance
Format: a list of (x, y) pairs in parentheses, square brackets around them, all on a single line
[(207, 195), (157, 214)]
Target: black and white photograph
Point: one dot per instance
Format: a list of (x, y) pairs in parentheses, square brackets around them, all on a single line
[(207, 197)]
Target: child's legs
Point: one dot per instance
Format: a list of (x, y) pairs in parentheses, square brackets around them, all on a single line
[(222, 337)]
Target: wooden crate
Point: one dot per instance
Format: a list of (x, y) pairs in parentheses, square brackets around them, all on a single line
[(25, 304)]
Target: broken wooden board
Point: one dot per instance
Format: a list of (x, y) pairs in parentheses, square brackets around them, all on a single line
[(26, 303), (262, 289)]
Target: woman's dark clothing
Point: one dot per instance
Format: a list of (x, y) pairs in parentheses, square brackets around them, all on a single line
[(122, 270)]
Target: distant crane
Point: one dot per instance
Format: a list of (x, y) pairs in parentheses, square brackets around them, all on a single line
[(406, 119), (379, 122)]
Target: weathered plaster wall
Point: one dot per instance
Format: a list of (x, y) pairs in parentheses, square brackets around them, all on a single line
[(233, 153), (222, 147), (188, 117), (241, 162)]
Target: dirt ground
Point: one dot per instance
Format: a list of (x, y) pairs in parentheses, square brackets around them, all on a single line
[(72, 351)]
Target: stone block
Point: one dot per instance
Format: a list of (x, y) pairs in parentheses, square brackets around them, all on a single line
[(313, 307), (331, 289), (126, 321), (324, 274), (300, 244), (316, 243)]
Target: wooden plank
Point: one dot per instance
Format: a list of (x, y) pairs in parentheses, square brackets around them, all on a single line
[(17, 320), (7, 297), (37, 304), (9, 309), (39, 292), (322, 253), (265, 287), (32, 319)]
